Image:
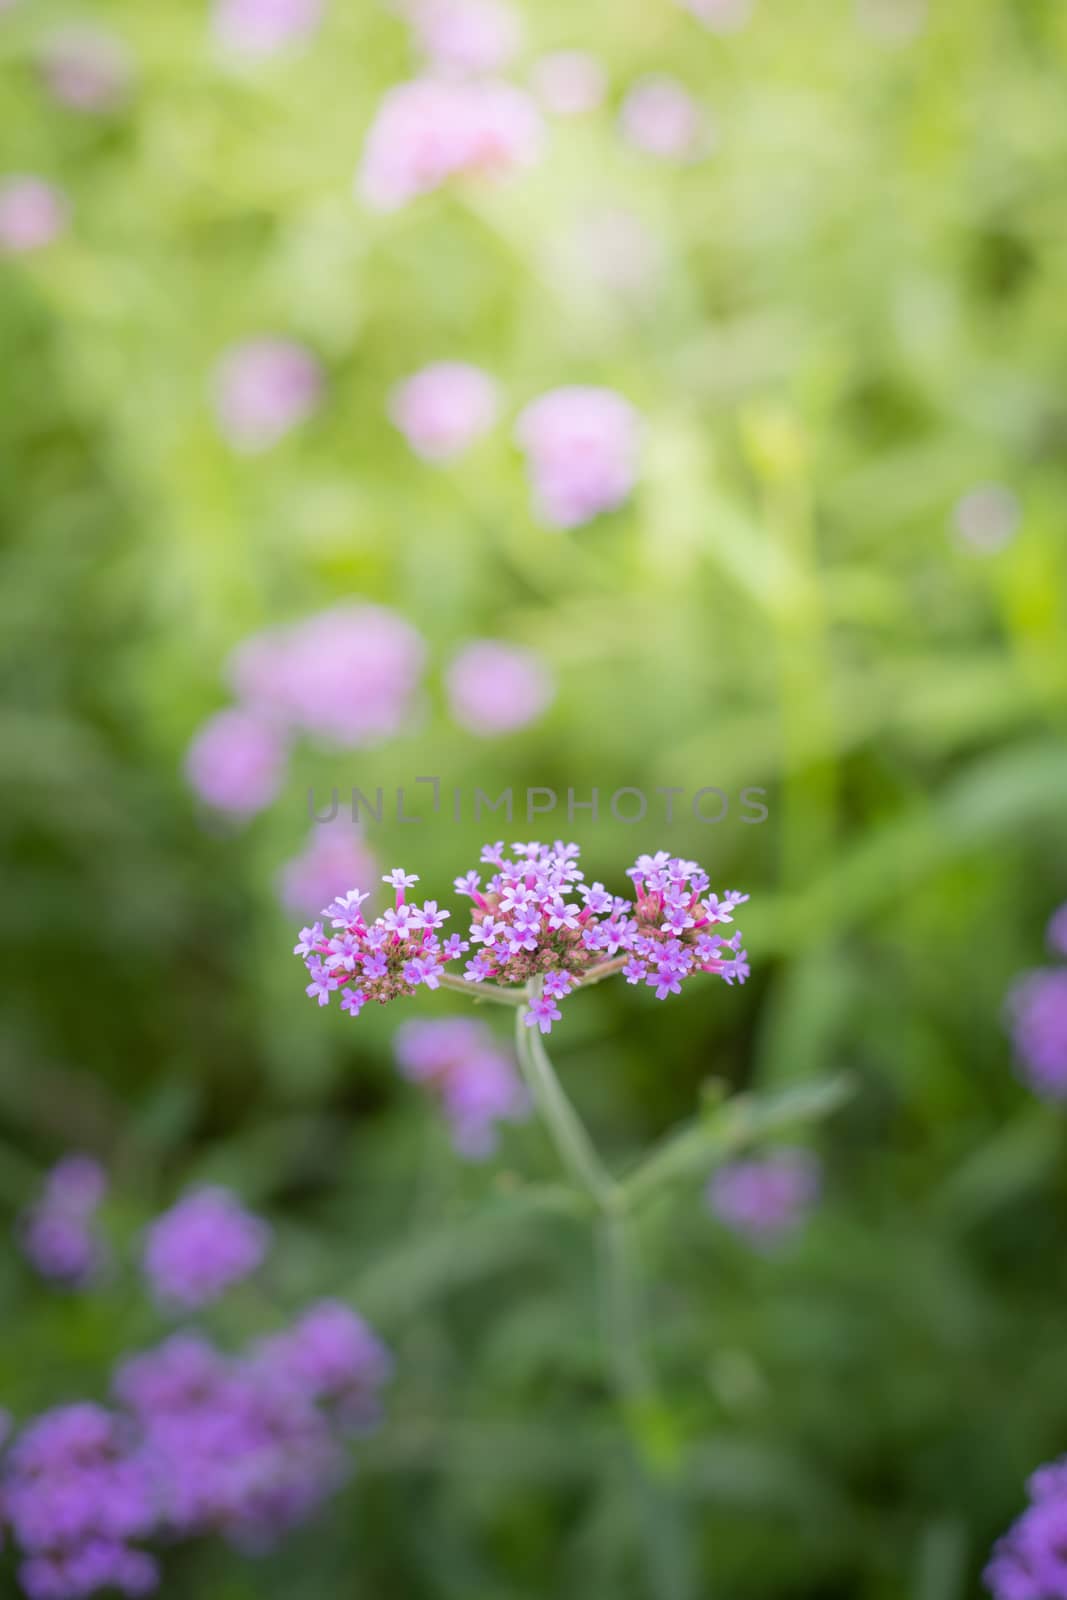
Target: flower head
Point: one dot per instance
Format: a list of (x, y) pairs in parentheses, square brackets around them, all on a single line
[(202, 1245), (444, 408), (58, 1233), (495, 688), (1037, 1016), (32, 214), (475, 1081), (765, 1198), (263, 389), (236, 762), (582, 447)]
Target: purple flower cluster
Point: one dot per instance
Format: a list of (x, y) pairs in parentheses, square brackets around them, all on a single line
[(335, 856), (58, 1233), (444, 408), (1030, 1561), (246, 1446), (1036, 1012), (348, 675), (263, 389), (582, 447), (476, 1082), (202, 1245), (766, 1198), (495, 688), (533, 919)]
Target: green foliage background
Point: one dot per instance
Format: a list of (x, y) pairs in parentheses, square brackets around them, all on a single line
[(860, 316)]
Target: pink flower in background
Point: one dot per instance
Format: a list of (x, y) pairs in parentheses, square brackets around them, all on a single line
[(444, 408), (766, 1198), (466, 35), (569, 83), (987, 517), (236, 762), (495, 687), (349, 674), (722, 16), (202, 1245), (477, 1083), (86, 70), (32, 214), (432, 129), (263, 389), (335, 857), (265, 27), (582, 447), (58, 1233), (661, 117)]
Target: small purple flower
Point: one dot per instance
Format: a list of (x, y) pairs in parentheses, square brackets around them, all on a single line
[(476, 1082), (32, 214), (334, 857), (332, 1354), (765, 1198), (582, 447), (443, 409), (263, 389), (543, 1012), (202, 1245), (660, 117), (1030, 1561), (236, 762), (58, 1234), (1037, 1014), (495, 688), (260, 28), (1057, 931)]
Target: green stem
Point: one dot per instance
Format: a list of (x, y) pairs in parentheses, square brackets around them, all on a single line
[(564, 1124), (479, 992)]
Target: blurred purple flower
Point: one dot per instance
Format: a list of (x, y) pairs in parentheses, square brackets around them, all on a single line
[(477, 1083), (582, 447), (495, 687), (765, 1198), (75, 1496), (334, 858), (236, 762), (1037, 1016), (987, 517), (661, 117), (58, 1233), (1057, 931), (569, 83), (259, 28), (722, 16), (86, 69), (32, 214), (431, 129), (349, 674), (1030, 1561), (444, 408), (265, 388), (202, 1245), (466, 35), (332, 1355)]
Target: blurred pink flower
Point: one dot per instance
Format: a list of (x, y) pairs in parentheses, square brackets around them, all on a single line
[(265, 27), (349, 674), (987, 517), (766, 1198), (432, 129), (466, 35), (263, 389), (582, 447), (236, 762), (444, 408), (477, 1083), (661, 117), (569, 83), (722, 16), (495, 687), (86, 69), (32, 214), (335, 858)]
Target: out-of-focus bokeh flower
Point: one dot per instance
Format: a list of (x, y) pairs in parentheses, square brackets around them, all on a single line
[(76, 1495), (582, 447), (432, 129), (722, 16), (494, 687), (263, 389), (333, 1355), (348, 675), (765, 1198), (1037, 1015), (466, 35), (1029, 1563), (477, 1083), (58, 1233), (237, 762), (203, 1244), (259, 28), (569, 83), (444, 408), (661, 117), (987, 517), (1057, 931), (32, 214), (86, 69), (612, 252), (334, 858)]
